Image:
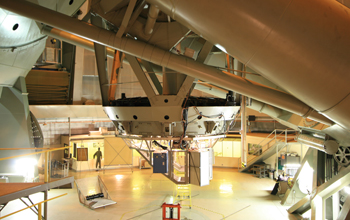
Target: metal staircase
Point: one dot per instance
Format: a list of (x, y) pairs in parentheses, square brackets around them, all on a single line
[(272, 144)]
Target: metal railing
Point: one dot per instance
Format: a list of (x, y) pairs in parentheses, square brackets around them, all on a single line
[(275, 137), (58, 169), (39, 204), (45, 151)]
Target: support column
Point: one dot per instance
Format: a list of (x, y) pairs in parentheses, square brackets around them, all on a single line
[(45, 205), (276, 170), (46, 167), (39, 212), (187, 172), (317, 202), (335, 202), (244, 145)]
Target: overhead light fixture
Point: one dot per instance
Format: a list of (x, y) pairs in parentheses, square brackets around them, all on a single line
[(25, 167), (221, 48), (318, 135), (292, 165), (347, 190)]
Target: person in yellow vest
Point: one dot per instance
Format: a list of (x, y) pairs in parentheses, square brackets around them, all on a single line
[(98, 156)]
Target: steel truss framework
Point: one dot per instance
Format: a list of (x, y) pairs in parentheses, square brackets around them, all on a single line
[(178, 164)]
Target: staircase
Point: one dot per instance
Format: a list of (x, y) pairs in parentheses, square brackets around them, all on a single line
[(273, 143)]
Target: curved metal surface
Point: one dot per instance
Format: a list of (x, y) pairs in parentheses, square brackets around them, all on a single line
[(289, 42)]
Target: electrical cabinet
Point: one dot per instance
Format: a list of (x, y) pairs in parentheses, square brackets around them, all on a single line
[(160, 162), (199, 168)]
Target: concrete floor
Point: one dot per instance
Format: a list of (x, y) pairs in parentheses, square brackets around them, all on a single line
[(230, 195)]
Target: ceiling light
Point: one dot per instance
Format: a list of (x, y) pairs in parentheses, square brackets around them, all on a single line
[(221, 48)]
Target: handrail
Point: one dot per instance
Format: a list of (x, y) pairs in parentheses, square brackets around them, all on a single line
[(275, 138), (27, 148), (46, 159), (38, 152), (39, 207)]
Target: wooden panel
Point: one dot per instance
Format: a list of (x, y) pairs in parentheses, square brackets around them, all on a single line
[(117, 152), (82, 154), (47, 87)]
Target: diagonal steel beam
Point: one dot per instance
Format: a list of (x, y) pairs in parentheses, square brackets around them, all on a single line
[(34, 209), (307, 158), (322, 192), (145, 84), (153, 76), (101, 61), (206, 49), (345, 211), (126, 18), (135, 14), (114, 76), (2, 206)]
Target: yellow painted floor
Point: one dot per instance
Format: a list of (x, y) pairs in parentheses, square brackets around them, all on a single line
[(139, 195)]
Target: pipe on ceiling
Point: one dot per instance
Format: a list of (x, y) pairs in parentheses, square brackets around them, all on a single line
[(72, 39), (201, 86), (272, 36), (151, 20), (164, 58), (89, 45), (327, 146)]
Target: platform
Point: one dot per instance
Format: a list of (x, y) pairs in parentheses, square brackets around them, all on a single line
[(12, 191)]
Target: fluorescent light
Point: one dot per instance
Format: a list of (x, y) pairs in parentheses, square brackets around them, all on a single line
[(292, 165), (221, 48), (317, 135), (347, 190), (25, 167)]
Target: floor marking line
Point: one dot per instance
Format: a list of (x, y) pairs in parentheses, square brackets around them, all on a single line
[(235, 212), (143, 214), (137, 210), (209, 211)]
